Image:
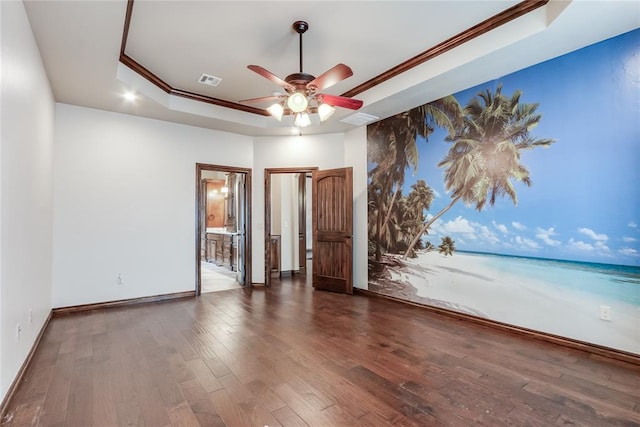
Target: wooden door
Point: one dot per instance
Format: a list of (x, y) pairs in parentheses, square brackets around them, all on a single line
[(332, 230)]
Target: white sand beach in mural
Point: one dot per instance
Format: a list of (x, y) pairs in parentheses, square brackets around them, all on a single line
[(465, 283)]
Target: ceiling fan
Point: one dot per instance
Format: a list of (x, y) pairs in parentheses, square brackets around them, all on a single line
[(303, 91)]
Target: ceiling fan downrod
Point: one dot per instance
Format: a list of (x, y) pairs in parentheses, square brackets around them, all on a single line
[(300, 27)]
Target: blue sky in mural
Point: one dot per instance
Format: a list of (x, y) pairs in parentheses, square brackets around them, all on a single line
[(584, 203)]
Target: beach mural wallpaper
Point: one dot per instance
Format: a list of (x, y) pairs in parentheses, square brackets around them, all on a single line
[(518, 200)]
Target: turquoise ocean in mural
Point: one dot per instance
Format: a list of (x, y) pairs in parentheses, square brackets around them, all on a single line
[(609, 281)]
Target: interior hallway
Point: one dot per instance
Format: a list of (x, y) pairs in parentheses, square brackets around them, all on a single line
[(289, 355)]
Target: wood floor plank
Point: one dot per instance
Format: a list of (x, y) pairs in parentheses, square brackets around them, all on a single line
[(80, 403), (253, 408), (229, 410), (26, 414), (201, 373), (129, 414), (192, 391), (216, 366), (302, 406), (258, 415), (289, 355), (289, 418), (182, 415), (153, 403), (206, 413), (54, 407), (578, 405), (412, 406), (35, 384), (269, 400), (178, 367), (104, 396)]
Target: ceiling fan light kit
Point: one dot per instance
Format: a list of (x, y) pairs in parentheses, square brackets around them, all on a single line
[(303, 91), (301, 120), (297, 102), (276, 110), (325, 111)]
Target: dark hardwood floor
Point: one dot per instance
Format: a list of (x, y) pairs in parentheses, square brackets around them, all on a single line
[(293, 356)]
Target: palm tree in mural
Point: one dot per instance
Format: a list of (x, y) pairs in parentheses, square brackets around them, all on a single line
[(380, 233), (447, 246), (418, 201), (484, 156), (393, 149)]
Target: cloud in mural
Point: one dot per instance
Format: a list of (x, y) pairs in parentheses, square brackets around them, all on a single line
[(598, 246), (580, 245), (458, 225), (629, 252), (593, 234), (525, 243), (603, 248), (632, 224), (545, 236), (501, 227), (628, 239), (488, 235), (518, 226), (463, 230), (458, 228)]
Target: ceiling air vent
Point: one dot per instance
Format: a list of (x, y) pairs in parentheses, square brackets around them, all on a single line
[(207, 79), (359, 119)]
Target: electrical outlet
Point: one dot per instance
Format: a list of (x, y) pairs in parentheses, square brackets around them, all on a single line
[(18, 330), (605, 312), (119, 280)]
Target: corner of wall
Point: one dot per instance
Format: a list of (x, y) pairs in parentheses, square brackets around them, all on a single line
[(355, 154)]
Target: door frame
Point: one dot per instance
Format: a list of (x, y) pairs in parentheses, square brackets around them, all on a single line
[(267, 211), (247, 215)]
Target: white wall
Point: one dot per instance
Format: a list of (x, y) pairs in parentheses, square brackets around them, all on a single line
[(323, 151), (355, 148), (287, 232), (27, 119), (124, 203)]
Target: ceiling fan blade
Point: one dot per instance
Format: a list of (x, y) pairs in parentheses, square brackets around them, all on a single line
[(263, 99), (270, 76), (330, 77), (340, 101)]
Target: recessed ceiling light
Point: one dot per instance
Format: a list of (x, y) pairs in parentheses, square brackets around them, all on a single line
[(130, 96)]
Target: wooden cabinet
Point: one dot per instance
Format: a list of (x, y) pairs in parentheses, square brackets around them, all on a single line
[(220, 249), (210, 248)]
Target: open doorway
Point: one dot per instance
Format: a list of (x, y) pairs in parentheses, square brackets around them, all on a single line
[(223, 228), (288, 237)]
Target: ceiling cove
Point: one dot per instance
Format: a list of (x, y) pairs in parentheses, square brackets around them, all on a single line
[(459, 39)]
